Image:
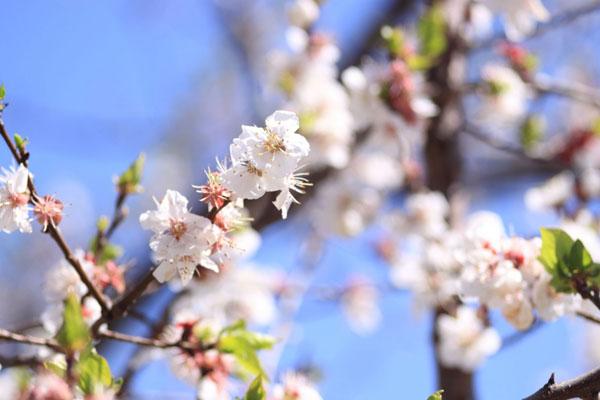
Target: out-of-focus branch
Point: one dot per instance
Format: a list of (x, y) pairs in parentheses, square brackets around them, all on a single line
[(503, 146), (555, 22), (520, 335), (52, 230), (573, 90), (588, 317), (8, 362), (26, 339), (392, 13)]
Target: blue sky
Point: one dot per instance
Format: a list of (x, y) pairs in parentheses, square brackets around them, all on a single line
[(94, 83)]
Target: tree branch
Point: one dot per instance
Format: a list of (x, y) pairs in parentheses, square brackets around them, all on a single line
[(585, 386), (26, 339), (503, 146), (52, 230)]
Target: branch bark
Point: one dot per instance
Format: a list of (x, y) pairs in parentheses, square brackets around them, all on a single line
[(586, 386)]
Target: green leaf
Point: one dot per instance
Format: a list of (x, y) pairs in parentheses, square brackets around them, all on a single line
[(243, 351), (256, 390), (94, 372), (20, 142), (130, 180), (532, 130), (394, 40), (74, 334), (57, 367), (2, 92), (418, 62), (436, 396), (556, 246), (579, 257), (432, 32)]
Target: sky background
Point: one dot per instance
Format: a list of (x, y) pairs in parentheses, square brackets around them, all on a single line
[(92, 84)]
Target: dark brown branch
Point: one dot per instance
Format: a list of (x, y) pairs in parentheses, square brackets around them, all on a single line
[(588, 317), (8, 362), (585, 386), (151, 342), (52, 230)]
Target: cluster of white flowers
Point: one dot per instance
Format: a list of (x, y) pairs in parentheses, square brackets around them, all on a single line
[(262, 160), (465, 341), (504, 273), (14, 199), (267, 160)]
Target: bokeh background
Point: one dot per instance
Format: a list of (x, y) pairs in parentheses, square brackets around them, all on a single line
[(92, 84)]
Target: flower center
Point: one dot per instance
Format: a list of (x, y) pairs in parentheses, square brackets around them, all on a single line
[(274, 143), (177, 229), (251, 168), (18, 199)]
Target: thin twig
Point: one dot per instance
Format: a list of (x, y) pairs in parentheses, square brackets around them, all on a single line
[(26, 339), (503, 146), (52, 230), (588, 317)]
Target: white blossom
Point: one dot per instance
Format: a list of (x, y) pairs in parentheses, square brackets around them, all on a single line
[(360, 306), (465, 342), (520, 16), (294, 386), (505, 95), (303, 13), (181, 240), (14, 196), (553, 193)]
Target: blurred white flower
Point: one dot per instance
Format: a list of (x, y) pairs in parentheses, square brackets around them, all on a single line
[(360, 306), (550, 304), (244, 292), (294, 386), (505, 95), (553, 193), (520, 16), (14, 196), (303, 13), (465, 342)]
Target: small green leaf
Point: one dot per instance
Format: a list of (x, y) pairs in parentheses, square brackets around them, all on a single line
[(20, 142), (256, 390), (102, 223), (57, 367), (94, 372), (556, 246), (2, 92), (432, 32), (532, 130), (394, 40), (74, 334), (130, 181), (418, 62), (243, 351), (436, 396), (579, 257)]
